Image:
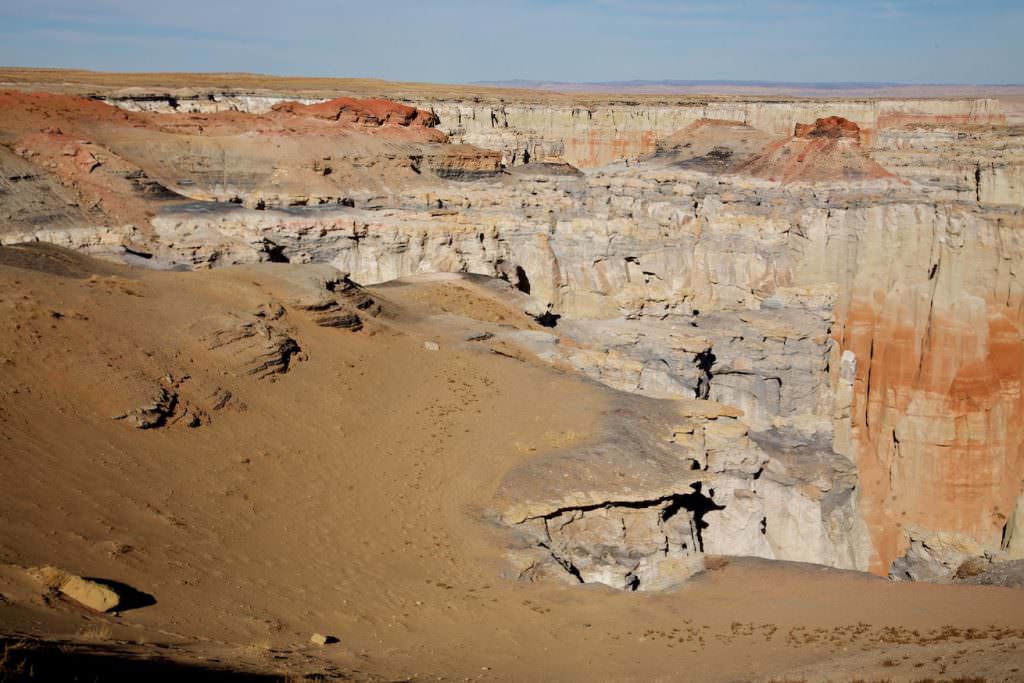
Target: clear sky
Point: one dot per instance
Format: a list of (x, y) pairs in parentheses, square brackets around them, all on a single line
[(457, 41)]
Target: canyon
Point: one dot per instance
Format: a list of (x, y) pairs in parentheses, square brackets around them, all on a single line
[(794, 326)]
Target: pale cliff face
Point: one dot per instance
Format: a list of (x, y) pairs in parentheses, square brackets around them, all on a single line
[(926, 299), (593, 136), (871, 326)]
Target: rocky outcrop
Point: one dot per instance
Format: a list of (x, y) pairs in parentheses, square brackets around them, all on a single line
[(967, 163), (262, 344), (117, 168), (826, 151), (649, 546), (984, 572), (90, 593), (664, 483), (96, 184), (934, 556), (1013, 532), (629, 522), (597, 133), (190, 101), (891, 276), (937, 404), (329, 297), (155, 412), (589, 136), (868, 330), (713, 146), (369, 113)]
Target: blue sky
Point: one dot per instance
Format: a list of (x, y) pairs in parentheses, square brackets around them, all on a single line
[(457, 41)]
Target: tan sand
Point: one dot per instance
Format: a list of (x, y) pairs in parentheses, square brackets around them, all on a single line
[(350, 497)]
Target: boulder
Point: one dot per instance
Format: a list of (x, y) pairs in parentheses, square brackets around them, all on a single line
[(321, 639), (95, 596), (89, 593)]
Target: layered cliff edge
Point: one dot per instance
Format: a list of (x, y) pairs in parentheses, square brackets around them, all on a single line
[(907, 294)]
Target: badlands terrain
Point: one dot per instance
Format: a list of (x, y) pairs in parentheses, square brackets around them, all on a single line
[(308, 379)]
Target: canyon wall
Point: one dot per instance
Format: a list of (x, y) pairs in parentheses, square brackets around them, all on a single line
[(870, 330), (925, 301), (602, 133), (593, 136)]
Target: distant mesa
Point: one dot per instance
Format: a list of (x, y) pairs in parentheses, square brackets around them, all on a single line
[(827, 150)]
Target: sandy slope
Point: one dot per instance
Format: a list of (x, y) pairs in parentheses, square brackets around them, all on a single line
[(351, 495)]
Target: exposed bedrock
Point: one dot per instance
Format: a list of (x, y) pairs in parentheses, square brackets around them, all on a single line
[(934, 321), (974, 163), (599, 134), (666, 482), (923, 299), (865, 329)]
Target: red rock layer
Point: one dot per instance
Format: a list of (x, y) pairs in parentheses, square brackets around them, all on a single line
[(28, 112), (114, 161), (831, 127), (938, 417), (828, 150), (363, 113), (595, 148)]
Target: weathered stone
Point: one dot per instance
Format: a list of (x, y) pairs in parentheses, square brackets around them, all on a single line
[(96, 596), (872, 323), (154, 413), (321, 639), (1013, 532), (933, 556)]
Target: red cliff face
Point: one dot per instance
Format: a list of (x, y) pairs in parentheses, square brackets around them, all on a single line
[(939, 423), (369, 113), (934, 320)]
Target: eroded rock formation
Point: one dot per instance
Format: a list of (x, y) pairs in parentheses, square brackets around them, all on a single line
[(597, 134), (853, 291)]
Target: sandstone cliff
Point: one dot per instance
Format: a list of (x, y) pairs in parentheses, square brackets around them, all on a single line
[(865, 316), (595, 136)]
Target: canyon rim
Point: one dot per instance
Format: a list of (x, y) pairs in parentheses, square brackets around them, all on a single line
[(340, 379)]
